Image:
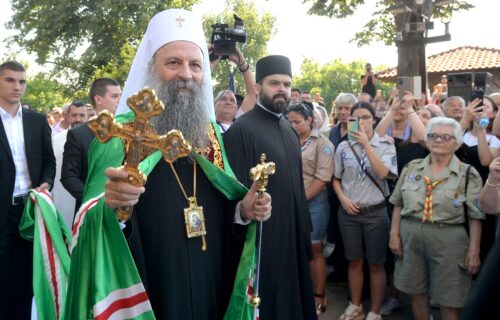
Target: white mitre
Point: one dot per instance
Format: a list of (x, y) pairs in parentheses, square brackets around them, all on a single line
[(165, 27)]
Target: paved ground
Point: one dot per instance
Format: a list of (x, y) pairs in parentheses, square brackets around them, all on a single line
[(337, 302)]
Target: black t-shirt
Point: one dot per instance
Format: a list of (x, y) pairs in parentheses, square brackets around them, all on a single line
[(406, 152), (369, 87)]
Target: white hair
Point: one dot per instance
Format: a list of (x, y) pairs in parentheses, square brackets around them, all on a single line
[(345, 98), (447, 101), (221, 93), (65, 107), (444, 121)]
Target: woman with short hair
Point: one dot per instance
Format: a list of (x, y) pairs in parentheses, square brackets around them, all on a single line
[(433, 199)]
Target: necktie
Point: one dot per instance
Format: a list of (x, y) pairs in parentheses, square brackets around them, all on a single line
[(362, 164), (431, 185)]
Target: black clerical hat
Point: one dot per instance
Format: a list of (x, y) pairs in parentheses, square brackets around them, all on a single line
[(272, 65)]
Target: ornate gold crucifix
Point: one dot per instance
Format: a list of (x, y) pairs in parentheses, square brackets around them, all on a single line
[(138, 138)]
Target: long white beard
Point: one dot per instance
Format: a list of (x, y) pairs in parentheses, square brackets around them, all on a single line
[(184, 110)]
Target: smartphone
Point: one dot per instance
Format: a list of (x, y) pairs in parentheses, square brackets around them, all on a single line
[(352, 125), (477, 94), (410, 84)]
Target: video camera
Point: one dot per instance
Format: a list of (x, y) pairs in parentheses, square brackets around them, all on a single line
[(224, 39)]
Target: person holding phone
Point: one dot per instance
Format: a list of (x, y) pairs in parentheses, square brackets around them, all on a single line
[(478, 149), (368, 81), (362, 165), (479, 145)]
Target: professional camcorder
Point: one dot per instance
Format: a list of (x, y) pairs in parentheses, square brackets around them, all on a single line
[(224, 39)]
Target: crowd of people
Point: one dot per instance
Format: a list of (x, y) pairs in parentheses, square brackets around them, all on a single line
[(401, 184)]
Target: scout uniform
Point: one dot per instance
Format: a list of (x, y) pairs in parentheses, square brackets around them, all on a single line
[(358, 187), (432, 229), (317, 156), (317, 163), (370, 228)]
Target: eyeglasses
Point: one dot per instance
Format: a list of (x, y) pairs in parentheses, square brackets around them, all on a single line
[(442, 137), (365, 117)]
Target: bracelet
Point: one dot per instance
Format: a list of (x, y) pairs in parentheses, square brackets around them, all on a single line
[(246, 69), (491, 184), (411, 112)]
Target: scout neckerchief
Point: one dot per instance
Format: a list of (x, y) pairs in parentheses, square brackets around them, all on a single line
[(306, 144), (431, 185)]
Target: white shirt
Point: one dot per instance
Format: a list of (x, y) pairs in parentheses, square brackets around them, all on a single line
[(63, 200), (57, 128), (470, 140), (13, 126)]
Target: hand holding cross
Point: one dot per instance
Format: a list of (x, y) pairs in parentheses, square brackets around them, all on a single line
[(138, 138)]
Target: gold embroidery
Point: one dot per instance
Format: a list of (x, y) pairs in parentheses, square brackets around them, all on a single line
[(217, 152)]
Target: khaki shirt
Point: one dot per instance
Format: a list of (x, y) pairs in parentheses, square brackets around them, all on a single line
[(317, 159), (359, 189), (448, 197)]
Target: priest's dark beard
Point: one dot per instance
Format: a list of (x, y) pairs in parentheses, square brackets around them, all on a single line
[(274, 106), (184, 110)]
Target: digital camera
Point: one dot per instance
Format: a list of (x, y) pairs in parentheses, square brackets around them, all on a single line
[(224, 39)]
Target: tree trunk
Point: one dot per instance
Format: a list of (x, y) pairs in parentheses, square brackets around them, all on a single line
[(411, 50)]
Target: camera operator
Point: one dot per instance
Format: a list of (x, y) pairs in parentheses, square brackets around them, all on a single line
[(368, 81), (250, 97)]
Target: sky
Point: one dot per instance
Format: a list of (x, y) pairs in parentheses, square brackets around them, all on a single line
[(299, 36)]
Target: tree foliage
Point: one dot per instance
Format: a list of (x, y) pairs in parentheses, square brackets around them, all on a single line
[(43, 93), (79, 36), (382, 26), (259, 27), (333, 78)]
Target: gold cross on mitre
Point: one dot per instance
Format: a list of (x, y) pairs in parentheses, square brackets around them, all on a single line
[(261, 173), (180, 20), (138, 138)]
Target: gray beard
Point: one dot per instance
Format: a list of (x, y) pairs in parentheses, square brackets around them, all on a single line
[(184, 111)]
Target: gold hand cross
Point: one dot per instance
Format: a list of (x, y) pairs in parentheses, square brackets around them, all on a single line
[(138, 137)]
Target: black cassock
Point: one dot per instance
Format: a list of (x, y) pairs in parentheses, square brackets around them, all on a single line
[(285, 283), (182, 281)]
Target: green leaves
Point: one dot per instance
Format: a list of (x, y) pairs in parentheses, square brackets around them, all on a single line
[(332, 8), (79, 36), (259, 27), (333, 78), (43, 93), (382, 27)]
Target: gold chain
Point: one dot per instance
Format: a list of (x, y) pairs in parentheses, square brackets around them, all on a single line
[(180, 184)]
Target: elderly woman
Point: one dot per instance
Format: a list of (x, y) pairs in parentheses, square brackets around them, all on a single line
[(433, 199), (317, 169), (362, 166), (342, 106)]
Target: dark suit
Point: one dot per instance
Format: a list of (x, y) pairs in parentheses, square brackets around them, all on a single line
[(75, 166), (16, 254)]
